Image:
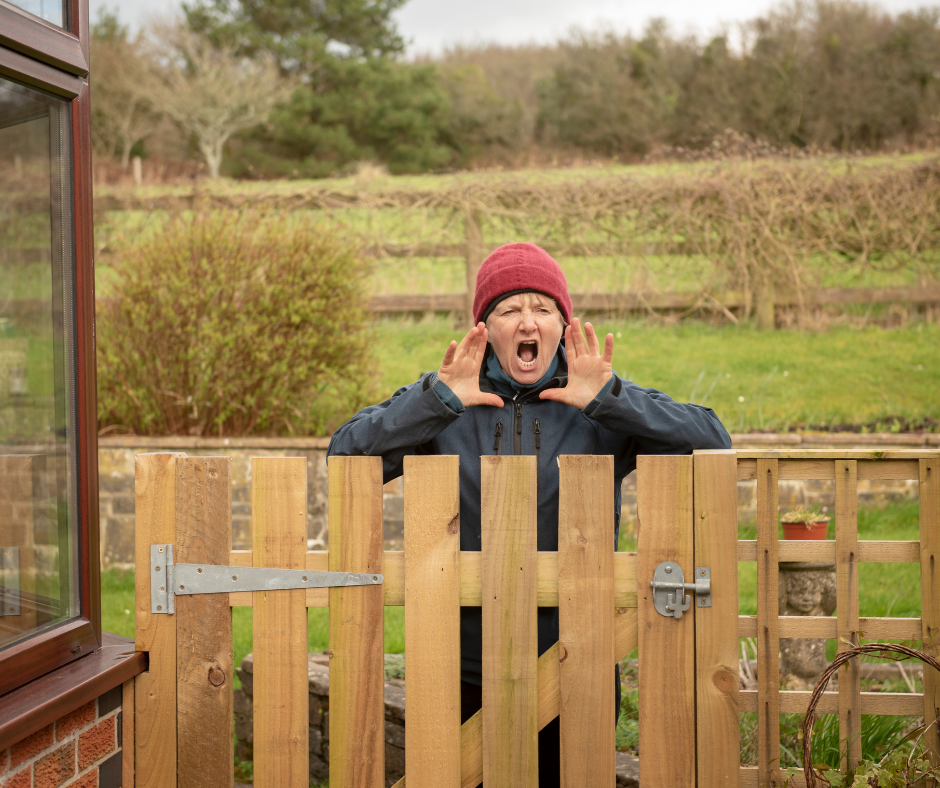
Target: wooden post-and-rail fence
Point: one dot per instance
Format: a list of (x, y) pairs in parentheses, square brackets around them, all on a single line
[(690, 699)]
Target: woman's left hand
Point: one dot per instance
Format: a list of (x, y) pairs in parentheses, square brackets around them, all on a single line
[(588, 369)]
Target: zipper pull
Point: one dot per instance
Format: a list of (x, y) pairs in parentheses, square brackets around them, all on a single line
[(499, 437), (537, 431), (518, 418)]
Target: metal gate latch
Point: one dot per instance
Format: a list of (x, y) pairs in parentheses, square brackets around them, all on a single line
[(669, 589), (9, 581), (169, 580)]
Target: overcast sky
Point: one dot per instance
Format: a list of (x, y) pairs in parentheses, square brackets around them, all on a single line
[(430, 25)]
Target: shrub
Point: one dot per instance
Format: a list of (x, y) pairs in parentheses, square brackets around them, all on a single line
[(234, 323)]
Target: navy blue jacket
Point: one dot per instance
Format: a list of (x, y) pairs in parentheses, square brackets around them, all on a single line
[(628, 421)]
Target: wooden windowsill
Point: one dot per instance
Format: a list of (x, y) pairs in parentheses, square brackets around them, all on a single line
[(33, 706)]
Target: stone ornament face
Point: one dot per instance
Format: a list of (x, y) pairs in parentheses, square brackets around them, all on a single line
[(804, 589)]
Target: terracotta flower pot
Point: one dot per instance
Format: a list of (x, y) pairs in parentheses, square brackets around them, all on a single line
[(815, 530)]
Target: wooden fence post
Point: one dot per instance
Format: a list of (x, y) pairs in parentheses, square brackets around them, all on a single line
[(666, 655), (155, 690), (586, 620), (432, 620), (357, 615), (204, 658), (716, 627), (929, 475), (768, 628), (850, 721), (281, 705), (473, 223), (766, 319), (510, 631)]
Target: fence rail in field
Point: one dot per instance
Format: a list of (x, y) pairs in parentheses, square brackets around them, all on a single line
[(688, 666), (640, 301)]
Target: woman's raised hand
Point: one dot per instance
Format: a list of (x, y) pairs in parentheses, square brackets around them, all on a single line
[(460, 369), (588, 368)]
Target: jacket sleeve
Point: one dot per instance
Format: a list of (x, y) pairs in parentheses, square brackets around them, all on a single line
[(657, 423), (395, 428)]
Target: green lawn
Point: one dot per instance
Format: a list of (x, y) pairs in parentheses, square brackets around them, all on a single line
[(754, 380)]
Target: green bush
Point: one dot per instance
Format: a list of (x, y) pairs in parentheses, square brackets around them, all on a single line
[(234, 323)]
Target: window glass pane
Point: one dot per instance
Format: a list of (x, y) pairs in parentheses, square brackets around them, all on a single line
[(53, 11), (38, 519)]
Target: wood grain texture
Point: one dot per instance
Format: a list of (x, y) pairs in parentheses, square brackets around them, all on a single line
[(432, 620), (846, 510), (155, 690), (827, 627), (884, 552), (471, 578), (204, 657), (357, 614), (127, 733), (279, 539), (510, 635), (811, 468), (666, 645), (586, 619), (930, 591), (716, 641), (768, 640), (879, 703), (471, 732)]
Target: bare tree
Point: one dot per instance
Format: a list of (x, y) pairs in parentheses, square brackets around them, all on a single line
[(212, 92), (122, 109)]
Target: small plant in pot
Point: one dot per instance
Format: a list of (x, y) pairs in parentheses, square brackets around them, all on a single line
[(804, 523)]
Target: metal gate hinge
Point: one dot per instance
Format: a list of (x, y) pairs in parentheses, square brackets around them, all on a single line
[(669, 589), (169, 580), (9, 581)]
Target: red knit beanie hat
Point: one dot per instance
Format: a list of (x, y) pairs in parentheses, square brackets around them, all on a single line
[(519, 268)]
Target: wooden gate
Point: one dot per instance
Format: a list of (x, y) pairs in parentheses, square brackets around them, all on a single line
[(183, 714), (690, 701)]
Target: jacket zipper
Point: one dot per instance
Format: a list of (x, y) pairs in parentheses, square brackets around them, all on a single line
[(537, 435), (499, 438), (517, 439)]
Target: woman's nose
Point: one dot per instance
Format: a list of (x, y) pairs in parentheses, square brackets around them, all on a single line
[(528, 321)]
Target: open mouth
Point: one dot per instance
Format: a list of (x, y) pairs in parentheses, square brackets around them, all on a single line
[(527, 353)]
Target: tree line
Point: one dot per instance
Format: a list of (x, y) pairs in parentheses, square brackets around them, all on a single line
[(289, 88)]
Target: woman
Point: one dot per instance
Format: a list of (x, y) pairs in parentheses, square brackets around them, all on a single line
[(510, 387)]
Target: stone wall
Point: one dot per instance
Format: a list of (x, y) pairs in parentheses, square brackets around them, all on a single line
[(116, 483), (318, 677)]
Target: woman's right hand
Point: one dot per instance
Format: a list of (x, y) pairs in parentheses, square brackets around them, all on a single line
[(460, 369)]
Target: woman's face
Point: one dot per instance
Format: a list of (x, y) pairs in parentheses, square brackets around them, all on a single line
[(525, 330)]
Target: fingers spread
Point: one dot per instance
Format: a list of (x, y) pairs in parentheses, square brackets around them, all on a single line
[(609, 348), (449, 354), (592, 339)]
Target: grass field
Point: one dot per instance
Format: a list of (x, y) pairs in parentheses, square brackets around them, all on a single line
[(754, 380)]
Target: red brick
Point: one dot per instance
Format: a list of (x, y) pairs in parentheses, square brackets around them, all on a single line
[(4, 760), (96, 743), (53, 769), (21, 780), (90, 780), (32, 745), (82, 716)]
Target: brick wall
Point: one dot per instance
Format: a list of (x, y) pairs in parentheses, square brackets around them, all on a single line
[(80, 750)]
